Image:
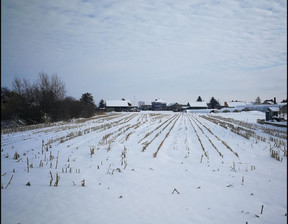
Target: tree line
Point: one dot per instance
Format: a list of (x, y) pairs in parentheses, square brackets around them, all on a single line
[(44, 100)]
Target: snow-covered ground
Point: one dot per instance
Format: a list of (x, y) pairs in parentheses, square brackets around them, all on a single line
[(147, 167)]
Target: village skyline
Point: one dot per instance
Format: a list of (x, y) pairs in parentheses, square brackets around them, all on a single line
[(257, 100)]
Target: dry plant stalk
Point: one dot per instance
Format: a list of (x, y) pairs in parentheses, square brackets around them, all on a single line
[(16, 156), (9, 181), (57, 180), (51, 178), (57, 160), (175, 190), (51, 157), (233, 167), (262, 209), (91, 151), (27, 165), (108, 169)]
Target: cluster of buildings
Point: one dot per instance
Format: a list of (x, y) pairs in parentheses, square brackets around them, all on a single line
[(157, 105), (272, 109)]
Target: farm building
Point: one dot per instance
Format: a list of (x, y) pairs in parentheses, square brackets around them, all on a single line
[(283, 111), (176, 107), (270, 102), (145, 107), (118, 105), (271, 113), (197, 105), (158, 104)]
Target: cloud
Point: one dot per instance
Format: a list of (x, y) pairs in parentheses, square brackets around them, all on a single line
[(170, 42)]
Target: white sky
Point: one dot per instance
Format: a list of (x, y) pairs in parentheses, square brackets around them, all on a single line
[(142, 50)]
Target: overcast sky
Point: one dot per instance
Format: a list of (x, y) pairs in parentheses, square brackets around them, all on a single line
[(148, 49)]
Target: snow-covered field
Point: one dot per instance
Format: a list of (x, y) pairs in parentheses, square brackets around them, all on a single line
[(146, 167)]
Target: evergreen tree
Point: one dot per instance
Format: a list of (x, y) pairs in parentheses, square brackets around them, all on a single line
[(214, 104), (199, 99), (88, 105), (102, 104), (258, 100), (87, 98)]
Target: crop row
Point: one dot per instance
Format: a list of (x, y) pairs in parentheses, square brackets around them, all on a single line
[(248, 133), (167, 134), (218, 138), (159, 126), (146, 144), (271, 131)]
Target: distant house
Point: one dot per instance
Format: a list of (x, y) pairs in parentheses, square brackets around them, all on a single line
[(270, 102), (176, 107), (145, 107), (118, 105), (272, 113), (158, 104), (197, 105), (283, 111)]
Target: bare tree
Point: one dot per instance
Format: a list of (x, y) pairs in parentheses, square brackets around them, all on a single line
[(53, 86), (43, 101), (17, 86), (58, 87)]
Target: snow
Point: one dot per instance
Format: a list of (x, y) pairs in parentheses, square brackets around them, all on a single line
[(125, 183), (236, 104), (274, 109), (198, 104), (201, 110), (262, 107), (117, 103)]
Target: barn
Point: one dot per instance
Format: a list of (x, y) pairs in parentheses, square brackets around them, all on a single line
[(197, 105), (118, 105)]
